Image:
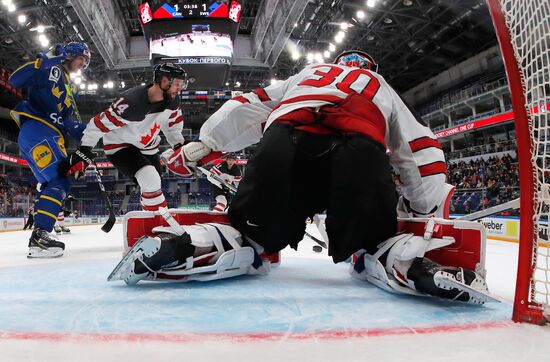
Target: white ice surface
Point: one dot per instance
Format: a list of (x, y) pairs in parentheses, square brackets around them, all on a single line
[(63, 310)]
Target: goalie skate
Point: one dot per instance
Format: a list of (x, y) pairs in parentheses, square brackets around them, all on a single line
[(145, 246), (477, 290)]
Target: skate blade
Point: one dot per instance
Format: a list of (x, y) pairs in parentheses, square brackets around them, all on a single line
[(39, 253), (447, 281), (134, 253)]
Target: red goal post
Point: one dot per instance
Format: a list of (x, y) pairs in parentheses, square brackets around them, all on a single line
[(523, 31)]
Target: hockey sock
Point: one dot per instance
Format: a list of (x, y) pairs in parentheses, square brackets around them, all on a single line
[(47, 208), (150, 186)]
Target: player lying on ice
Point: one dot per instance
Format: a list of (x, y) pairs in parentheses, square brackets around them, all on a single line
[(323, 147)]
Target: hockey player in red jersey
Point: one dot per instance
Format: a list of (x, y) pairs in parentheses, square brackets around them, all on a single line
[(130, 129), (330, 136)]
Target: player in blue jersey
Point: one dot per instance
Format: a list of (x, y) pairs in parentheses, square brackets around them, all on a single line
[(46, 117)]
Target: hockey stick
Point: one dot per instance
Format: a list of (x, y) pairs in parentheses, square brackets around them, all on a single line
[(112, 218), (219, 182), (318, 241), (513, 204)]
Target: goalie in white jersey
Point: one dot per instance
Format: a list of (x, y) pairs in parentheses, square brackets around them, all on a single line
[(324, 137)]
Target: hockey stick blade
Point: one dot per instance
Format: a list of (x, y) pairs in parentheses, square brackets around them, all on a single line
[(112, 218), (109, 223), (318, 241)]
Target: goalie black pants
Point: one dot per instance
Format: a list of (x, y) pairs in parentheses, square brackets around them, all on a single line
[(295, 174)]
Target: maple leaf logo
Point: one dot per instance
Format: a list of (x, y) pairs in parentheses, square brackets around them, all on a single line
[(145, 140)]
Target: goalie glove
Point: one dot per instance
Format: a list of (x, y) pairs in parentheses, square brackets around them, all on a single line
[(77, 162), (404, 209), (182, 160)]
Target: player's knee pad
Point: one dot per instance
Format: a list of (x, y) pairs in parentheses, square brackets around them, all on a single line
[(150, 187), (148, 178)]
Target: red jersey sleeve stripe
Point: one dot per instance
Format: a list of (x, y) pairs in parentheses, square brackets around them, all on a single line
[(173, 115), (113, 120), (423, 143), (311, 97), (100, 125), (433, 168), (240, 99), (260, 92), (178, 120), (151, 195)]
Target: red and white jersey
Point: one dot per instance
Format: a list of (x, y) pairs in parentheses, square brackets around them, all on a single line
[(343, 100), (133, 121)]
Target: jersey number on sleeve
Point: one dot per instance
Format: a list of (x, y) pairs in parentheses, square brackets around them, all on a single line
[(346, 85), (120, 107)]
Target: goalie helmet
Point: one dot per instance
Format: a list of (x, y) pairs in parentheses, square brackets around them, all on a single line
[(356, 58), (171, 71), (74, 49)]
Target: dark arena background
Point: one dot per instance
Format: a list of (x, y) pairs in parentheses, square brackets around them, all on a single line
[(475, 72)]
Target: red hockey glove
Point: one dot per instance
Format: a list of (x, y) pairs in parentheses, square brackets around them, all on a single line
[(183, 160), (77, 162)]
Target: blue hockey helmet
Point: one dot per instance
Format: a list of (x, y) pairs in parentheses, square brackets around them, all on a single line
[(356, 58), (75, 49)]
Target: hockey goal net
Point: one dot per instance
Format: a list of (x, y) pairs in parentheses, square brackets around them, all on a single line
[(523, 31)]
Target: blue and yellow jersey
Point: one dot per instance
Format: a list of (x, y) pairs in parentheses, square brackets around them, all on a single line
[(50, 97)]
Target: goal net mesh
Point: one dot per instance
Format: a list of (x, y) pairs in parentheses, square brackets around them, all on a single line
[(528, 23)]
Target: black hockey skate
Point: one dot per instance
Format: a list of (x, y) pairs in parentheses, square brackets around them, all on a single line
[(449, 282), (44, 245), (65, 230), (151, 254)]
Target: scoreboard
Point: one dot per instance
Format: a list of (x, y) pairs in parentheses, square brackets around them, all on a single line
[(196, 34), (189, 9)]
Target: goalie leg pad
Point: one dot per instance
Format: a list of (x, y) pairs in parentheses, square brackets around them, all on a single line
[(407, 271), (204, 252), (229, 259)]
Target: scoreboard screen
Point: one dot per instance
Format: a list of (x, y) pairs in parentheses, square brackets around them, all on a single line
[(192, 38), (151, 10), (199, 35)]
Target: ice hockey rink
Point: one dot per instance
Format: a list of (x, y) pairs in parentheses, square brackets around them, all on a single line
[(306, 309)]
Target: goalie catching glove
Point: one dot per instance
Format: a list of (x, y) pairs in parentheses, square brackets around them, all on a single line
[(182, 160), (77, 162), (406, 210)]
